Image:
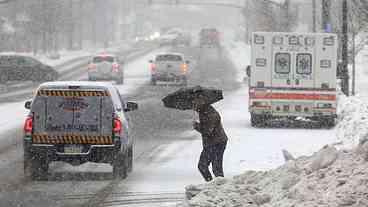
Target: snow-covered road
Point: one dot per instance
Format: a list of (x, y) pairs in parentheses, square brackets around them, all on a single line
[(166, 149)]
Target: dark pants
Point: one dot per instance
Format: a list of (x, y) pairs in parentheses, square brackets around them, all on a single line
[(212, 155)]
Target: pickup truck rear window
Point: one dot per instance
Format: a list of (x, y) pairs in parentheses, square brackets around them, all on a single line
[(100, 59), (169, 58)]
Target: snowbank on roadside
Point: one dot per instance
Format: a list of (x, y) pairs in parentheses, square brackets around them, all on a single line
[(329, 178), (352, 121)]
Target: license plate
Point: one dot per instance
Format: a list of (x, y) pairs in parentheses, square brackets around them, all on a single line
[(73, 149)]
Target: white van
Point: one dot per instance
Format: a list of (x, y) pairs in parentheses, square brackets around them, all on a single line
[(293, 75)]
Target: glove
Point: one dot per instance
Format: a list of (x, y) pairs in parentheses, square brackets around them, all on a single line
[(196, 125)]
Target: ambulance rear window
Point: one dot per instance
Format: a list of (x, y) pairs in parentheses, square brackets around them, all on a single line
[(304, 63), (282, 63)]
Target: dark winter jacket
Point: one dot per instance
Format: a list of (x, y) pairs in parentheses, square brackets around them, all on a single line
[(210, 126)]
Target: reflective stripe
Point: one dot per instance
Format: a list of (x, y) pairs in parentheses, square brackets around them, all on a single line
[(65, 93), (70, 139), (294, 96)]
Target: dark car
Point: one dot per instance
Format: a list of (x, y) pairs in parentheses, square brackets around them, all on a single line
[(77, 122), (24, 68)]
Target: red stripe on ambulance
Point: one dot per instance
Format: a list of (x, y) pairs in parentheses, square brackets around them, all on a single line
[(293, 96)]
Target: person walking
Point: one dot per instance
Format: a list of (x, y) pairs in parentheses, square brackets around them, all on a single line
[(214, 141)]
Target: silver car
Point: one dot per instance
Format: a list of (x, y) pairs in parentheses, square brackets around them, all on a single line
[(169, 67), (106, 67)]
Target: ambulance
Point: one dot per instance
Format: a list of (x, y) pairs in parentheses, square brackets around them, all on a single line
[(293, 76)]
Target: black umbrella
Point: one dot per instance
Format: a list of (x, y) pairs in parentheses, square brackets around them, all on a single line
[(185, 98)]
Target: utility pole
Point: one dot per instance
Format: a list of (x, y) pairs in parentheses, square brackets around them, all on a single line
[(314, 16), (246, 15), (353, 72), (326, 17), (345, 72), (286, 9)]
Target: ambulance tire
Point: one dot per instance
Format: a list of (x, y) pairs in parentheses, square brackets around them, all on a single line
[(36, 168), (257, 120), (120, 166), (328, 123)]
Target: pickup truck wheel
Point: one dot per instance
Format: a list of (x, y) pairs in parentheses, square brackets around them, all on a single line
[(120, 80), (327, 123), (184, 82), (153, 81), (130, 157), (120, 166), (36, 168)]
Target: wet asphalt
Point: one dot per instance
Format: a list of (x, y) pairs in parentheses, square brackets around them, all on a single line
[(152, 126)]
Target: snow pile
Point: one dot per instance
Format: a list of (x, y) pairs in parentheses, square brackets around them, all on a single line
[(352, 121), (329, 178)]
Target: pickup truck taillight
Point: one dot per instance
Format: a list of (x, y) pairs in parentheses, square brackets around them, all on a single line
[(118, 126), (153, 68), (115, 67), (28, 125), (92, 66), (184, 68)]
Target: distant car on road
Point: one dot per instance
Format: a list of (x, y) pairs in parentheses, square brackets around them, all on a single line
[(183, 39), (168, 38), (169, 67), (209, 37), (106, 67), (77, 122), (25, 68)]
